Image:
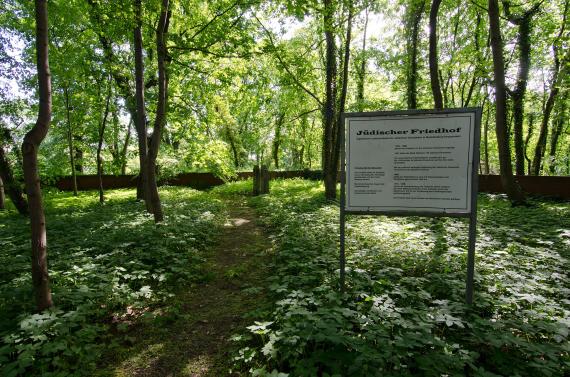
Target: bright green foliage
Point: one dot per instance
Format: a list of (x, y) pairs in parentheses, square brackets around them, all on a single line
[(403, 313), (246, 78), (107, 264)]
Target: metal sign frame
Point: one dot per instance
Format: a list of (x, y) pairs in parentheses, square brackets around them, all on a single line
[(471, 214)]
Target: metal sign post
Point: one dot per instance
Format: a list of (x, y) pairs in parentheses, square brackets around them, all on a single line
[(411, 163)]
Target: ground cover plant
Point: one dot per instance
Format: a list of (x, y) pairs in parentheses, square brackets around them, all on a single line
[(403, 313), (108, 265)]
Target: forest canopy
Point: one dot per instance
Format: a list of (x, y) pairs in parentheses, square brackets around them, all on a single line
[(265, 82)]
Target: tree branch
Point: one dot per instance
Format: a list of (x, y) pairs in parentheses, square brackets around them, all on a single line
[(214, 19), (285, 66), (303, 114)]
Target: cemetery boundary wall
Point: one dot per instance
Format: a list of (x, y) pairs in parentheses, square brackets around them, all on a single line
[(552, 186)]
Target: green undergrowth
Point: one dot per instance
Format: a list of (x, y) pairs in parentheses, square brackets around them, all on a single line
[(403, 313), (109, 265)]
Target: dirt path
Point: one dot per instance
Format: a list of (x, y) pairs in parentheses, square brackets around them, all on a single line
[(197, 342)]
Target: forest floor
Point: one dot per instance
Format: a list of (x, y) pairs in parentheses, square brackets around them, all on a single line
[(233, 285), (198, 341)]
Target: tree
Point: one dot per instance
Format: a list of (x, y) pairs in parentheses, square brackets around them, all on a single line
[(333, 104), (30, 145), (161, 108), (118, 148), (70, 138), (562, 68), (101, 136), (331, 108), (413, 17), (433, 58), (524, 23), (277, 139), (140, 117), (8, 182), (560, 123), (121, 76), (330, 126), (560, 71), (511, 187), (361, 67)]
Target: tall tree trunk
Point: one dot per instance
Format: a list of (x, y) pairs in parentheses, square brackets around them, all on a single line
[(333, 109), (568, 161), (346, 60), (233, 146), (304, 125), (329, 109), (140, 118), (70, 140), (524, 23), (78, 153), (78, 158), (560, 122), (559, 71), (527, 140), (309, 145), (479, 63), (125, 148), (30, 145), (160, 117), (543, 134), (361, 73), (113, 144), (102, 126), (122, 80), (484, 166), (433, 57), (414, 13), (277, 140), (511, 187), (486, 140)]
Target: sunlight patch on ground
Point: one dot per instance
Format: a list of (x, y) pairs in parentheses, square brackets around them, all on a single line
[(198, 366), (236, 222), (143, 359)]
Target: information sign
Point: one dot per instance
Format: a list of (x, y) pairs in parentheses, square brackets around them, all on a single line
[(410, 163)]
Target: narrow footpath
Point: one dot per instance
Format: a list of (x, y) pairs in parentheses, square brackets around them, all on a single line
[(197, 343)]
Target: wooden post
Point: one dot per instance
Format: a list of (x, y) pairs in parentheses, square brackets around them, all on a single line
[(264, 184), (256, 180)]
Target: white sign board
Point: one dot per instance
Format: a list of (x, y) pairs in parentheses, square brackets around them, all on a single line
[(410, 163)]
